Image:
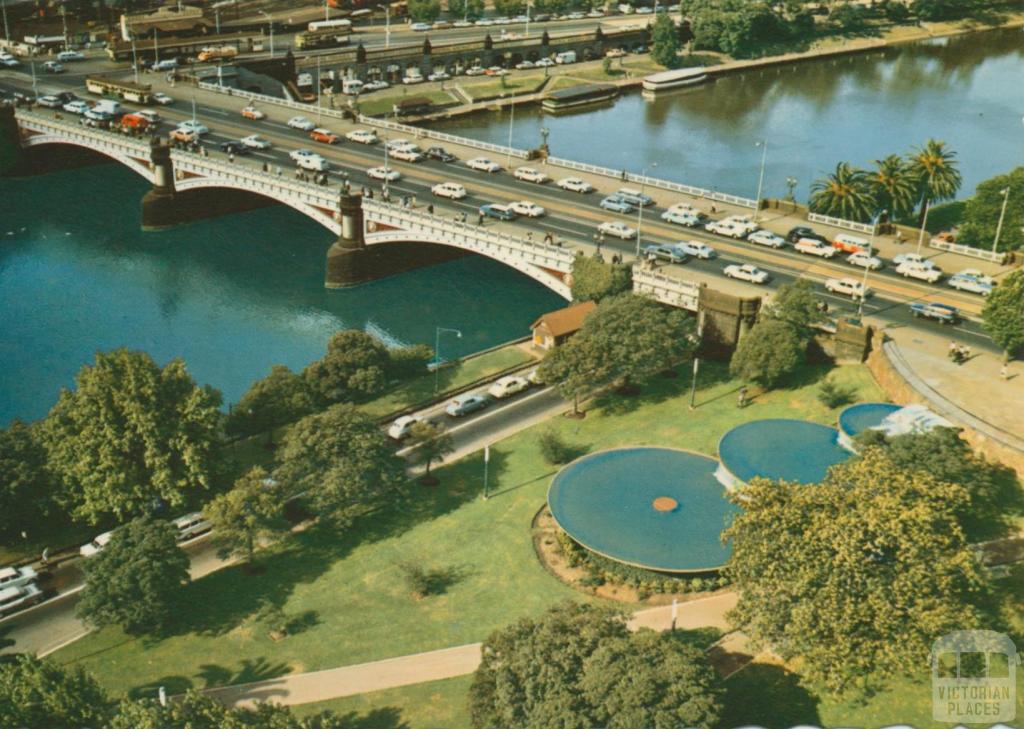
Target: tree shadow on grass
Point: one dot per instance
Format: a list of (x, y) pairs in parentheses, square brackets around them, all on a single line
[(659, 388), (767, 695), (173, 685), (386, 717), (251, 670)]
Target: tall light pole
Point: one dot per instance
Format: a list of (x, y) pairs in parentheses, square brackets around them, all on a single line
[(867, 268), (763, 144), (1002, 214), (319, 87), (7, 30), (437, 350), (156, 46), (64, 20), (270, 26), (640, 213), (135, 61), (696, 359), (526, 34), (387, 25), (924, 222), (511, 121)]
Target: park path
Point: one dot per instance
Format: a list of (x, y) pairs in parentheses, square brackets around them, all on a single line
[(332, 683)]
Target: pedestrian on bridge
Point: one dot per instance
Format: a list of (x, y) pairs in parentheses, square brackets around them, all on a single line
[(479, 218)]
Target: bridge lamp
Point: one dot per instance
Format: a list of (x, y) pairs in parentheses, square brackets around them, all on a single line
[(437, 350), (640, 213), (763, 144), (867, 268), (791, 184)]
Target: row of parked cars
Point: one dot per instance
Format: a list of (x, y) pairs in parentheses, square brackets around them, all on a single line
[(19, 589), (188, 527)]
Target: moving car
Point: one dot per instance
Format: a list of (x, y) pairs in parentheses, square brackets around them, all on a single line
[(634, 196), (191, 526), (864, 260), (544, 63), (575, 184), (17, 598), (483, 165), (162, 99), (439, 76), (441, 154), (183, 135), (324, 136), (501, 212), (450, 190), (529, 174), (508, 386), (255, 141), (70, 56), (527, 208), (251, 112), (420, 27), (920, 271), (301, 122), (53, 67), (191, 125), (377, 85), (403, 426), (848, 287), (913, 258), (50, 102), (149, 115), (665, 252), (802, 231), (475, 70), (16, 576), (407, 154), (726, 228), (363, 136), (767, 238), (850, 243), (524, 65), (308, 160), (813, 247), (76, 107), (616, 204), (617, 229), (746, 272), (939, 312), (96, 545), (384, 173), (466, 404), (696, 249), (744, 222), (972, 280), (233, 147)]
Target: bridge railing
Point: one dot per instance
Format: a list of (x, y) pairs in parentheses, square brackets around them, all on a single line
[(471, 236), (69, 128), (667, 289), (267, 99), (981, 253), (842, 223), (622, 175), (421, 133)]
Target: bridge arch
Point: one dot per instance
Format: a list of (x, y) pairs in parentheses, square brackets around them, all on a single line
[(117, 153)]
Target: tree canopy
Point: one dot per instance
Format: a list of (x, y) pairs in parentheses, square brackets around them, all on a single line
[(430, 443), (424, 11), (467, 9), (769, 353), (593, 279), (135, 581), (856, 575), (1003, 315), (279, 398), (132, 434), (665, 42), (796, 305), (249, 512), (341, 460), (27, 488), (982, 211), (37, 693)]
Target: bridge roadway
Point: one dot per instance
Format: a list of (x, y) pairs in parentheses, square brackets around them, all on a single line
[(570, 216)]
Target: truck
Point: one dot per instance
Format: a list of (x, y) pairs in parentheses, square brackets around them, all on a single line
[(213, 53), (942, 313)]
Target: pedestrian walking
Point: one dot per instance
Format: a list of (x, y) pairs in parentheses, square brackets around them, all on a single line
[(479, 218), (1004, 372), (430, 209), (231, 157), (742, 402)]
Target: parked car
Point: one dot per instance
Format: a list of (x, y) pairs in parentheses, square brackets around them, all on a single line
[(529, 174), (767, 238), (617, 229), (544, 63), (746, 272), (527, 209), (664, 252), (191, 526), (814, 247), (70, 56), (251, 112), (508, 386), (149, 115), (302, 123), (483, 164), (439, 76), (384, 173), (616, 204), (942, 313), (183, 135), (475, 70), (524, 65), (16, 576), (802, 231), (420, 27), (441, 154), (911, 269), (450, 190), (863, 259), (377, 85), (466, 404), (726, 228), (235, 148), (501, 212), (162, 99), (847, 287), (696, 249), (363, 136), (973, 281), (96, 545), (324, 136), (255, 141), (49, 101), (575, 184), (18, 598), (402, 426)]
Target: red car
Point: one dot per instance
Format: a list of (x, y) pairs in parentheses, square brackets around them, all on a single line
[(325, 136)]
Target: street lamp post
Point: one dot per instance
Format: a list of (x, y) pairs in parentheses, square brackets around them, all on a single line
[(867, 268), (511, 122), (696, 360), (437, 350), (763, 144), (1002, 214), (135, 62), (7, 30), (387, 25), (640, 213), (270, 26), (924, 223)]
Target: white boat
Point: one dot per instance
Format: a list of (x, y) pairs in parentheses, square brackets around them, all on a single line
[(675, 79)]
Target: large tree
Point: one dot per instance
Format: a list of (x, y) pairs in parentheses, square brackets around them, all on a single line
[(279, 398), (665, 43), (856, 575), (593, 279), (651, 680), (465, 9), (137, 578), (797, 305), (27, 488), (769, 353), (341, 460), (251, 511), (844, 193), (198, 711), (935, 167), (424, 11), (37, 693), (983, 210), (132, 434), (1003, 315), (894, 186), (354, 368)]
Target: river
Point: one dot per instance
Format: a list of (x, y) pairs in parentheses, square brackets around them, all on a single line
[(232, 296), (967, 90)]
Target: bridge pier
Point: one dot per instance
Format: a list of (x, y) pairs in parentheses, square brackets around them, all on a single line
[(348, 258), (727, 318), (160, 207), (10, 141)]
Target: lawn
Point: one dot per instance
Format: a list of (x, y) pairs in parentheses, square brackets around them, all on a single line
[(382, 103), (348, 590), (488, 87)]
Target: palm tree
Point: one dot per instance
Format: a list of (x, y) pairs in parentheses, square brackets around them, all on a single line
[(843, 194), (937, 173), (894, 186)]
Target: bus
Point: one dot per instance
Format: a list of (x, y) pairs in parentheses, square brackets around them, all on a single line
[(329, 38), (118, 89), (329, 25)]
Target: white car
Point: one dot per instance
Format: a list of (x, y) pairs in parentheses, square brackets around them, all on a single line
[(363, 136), (76, 107), (450, 190), (309, 160), (162, 99), (18, 576), (384, 173), (527, 208), (544, 63), (376, 85), (696, 249), (508, 386), (726, 228), (848, 287), (255, 141), (575, 184), (483, 165), (16, 598), (420, 27), (911, 269), (403, 426), (394, 145), (251, 112), (149, 115), (742, 221), (813, 247), (617, 229), (476, 71), (53, 67), (746, 272), (524, 65), (767, 238), (406, 154), (301, 122), (439, 76), (193, 127), (864, 260), (191, 526), (529, 174), (681, 217), (70, 56), (972, 280), (96, 545), (10, 61)]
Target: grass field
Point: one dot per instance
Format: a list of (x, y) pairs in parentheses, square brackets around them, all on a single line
[(347, 588), (382, 102), (487, 87)]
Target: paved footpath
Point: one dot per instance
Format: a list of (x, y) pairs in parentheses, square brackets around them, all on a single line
[(304, 688)]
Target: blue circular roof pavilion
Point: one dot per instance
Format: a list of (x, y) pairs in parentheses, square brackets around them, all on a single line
[(657, 508), (779, 449), (855, 419)]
